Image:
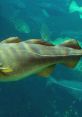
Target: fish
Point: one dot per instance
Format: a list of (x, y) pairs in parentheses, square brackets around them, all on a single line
[(20, 25), (45, 32), (20, 59), (57, 6), (74, 7), (13, 10)]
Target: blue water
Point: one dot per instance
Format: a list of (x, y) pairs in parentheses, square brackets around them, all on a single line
[(34, 96)]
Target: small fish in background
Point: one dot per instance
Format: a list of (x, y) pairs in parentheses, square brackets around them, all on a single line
[(45, 12), (20, 59), (57, 5), (74, 7), (45, 32), (11, 11), (20, 25)]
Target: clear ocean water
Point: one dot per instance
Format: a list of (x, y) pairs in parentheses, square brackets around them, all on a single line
[(36, 96)]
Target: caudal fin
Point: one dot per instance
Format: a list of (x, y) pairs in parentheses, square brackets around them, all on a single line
[(72, 62)]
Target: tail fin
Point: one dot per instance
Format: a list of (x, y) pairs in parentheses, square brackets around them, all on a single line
[(72, 62), (73, 7)]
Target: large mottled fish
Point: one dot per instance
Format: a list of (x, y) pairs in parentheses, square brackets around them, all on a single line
[(19, 59)]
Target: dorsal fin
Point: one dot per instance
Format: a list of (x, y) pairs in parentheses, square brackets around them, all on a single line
[(11, 40), (72, 44), (38, 41)]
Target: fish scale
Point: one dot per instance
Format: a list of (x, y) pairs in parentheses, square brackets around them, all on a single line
[(9, 55), (49, 50)]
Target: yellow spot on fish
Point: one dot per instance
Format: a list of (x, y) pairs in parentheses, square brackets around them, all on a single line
[(7, 70)]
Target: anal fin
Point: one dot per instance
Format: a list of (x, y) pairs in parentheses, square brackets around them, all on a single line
[(72, 62), (47, 71)]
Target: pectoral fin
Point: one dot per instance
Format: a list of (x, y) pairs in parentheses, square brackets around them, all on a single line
[(11, 40), (46, 72), (6, 70)]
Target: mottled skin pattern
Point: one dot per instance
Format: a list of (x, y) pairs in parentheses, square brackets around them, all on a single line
[(26, 58)]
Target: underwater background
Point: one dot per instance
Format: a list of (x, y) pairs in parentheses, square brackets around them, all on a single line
[(53, 21)]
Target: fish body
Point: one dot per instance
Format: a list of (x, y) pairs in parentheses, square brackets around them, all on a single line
[(19, 59)]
